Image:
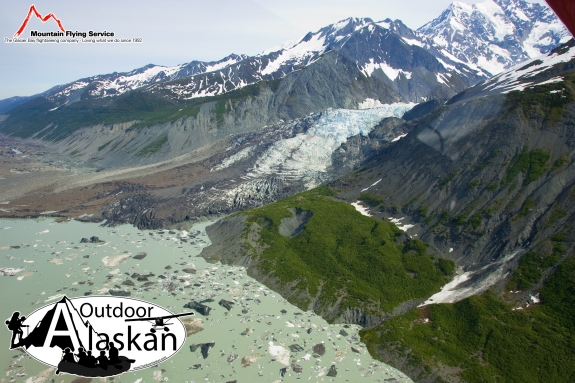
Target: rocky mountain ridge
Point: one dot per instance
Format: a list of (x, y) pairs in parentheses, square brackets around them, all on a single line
[(473, 40), (203, 79)]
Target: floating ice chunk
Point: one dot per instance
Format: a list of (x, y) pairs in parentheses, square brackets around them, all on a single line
[(43, 376), (157, 376), (114, 260), (279, 353), (249, 359), (10, 271), (54, 297)]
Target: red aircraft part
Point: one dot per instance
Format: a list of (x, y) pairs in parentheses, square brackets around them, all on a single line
[(565, 10)]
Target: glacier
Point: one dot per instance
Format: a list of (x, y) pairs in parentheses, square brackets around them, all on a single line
[(307, 155)]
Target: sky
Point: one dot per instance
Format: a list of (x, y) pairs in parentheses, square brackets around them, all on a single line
[(172, 32)]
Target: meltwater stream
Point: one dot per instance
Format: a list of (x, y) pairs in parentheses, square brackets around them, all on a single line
[(252, 339)]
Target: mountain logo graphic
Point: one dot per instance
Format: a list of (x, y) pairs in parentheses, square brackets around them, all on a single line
[(98, 336), (33, 10)]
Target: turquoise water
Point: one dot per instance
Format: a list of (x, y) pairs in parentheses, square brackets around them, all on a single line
[(260, 326)]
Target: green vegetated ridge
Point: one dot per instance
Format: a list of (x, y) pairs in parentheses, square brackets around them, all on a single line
[(483, 339), (342, 254), (56, 122), (548, 100), (532, 163), (495, 336)]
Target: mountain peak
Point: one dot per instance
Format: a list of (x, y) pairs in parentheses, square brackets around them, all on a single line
[(495, 34)]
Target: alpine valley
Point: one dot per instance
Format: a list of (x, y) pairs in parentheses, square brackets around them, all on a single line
[(419, 183)]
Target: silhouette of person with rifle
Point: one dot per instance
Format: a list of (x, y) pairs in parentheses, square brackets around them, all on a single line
[(15, 325)]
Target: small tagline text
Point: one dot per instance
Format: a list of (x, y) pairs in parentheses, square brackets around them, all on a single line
[(55, 40)]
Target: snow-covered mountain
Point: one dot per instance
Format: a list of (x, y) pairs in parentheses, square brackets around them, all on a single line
[(115, 84), (532, 73), (338, 66), (465, 44), (496, 34), (386, 49)]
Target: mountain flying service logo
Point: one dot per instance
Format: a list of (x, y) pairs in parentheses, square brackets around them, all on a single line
[(63, 35), (98, 336), (33, 10)]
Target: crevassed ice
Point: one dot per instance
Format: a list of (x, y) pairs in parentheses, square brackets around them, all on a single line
[(244, 153), (308, 155), (369, 103)]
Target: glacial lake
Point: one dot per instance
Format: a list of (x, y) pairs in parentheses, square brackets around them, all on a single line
[(258, 330)]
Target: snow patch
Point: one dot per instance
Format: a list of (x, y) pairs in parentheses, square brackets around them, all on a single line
[(551, 81), (400, 226), (390, 72), (373, 184), (362, 209), (399, 137), (370, 103), (459, 288), (517, 77), (221, 65), (298, 52), (413, 42)]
